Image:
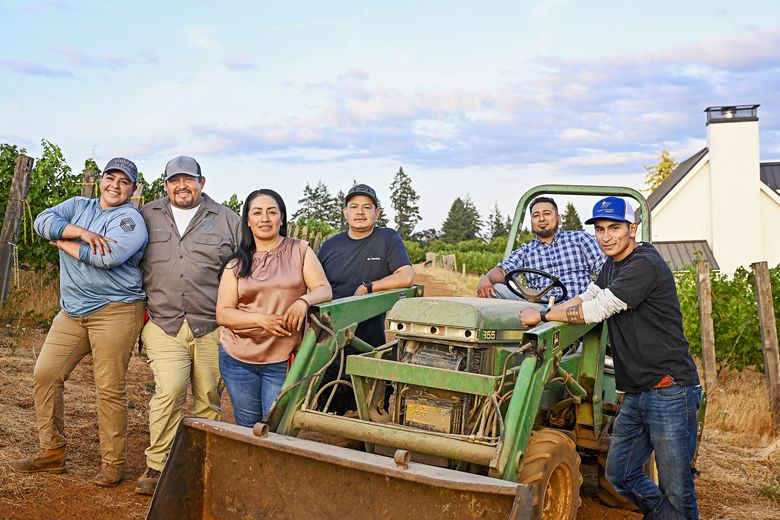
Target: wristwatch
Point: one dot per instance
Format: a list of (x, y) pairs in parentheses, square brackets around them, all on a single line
[(369, 285), (543, 314)]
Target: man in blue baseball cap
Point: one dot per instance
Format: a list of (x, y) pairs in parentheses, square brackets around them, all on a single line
[(635, 292)]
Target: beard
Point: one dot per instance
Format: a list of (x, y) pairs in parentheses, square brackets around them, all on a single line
[(545, 233)]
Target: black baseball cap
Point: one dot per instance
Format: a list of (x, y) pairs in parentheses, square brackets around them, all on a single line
[(362, 189)]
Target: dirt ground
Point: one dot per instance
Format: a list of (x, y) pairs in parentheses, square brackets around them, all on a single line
[(733, 471)]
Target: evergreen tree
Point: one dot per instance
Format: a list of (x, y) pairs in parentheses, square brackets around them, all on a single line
[(658, 173), (404, 201), (340, 223), (462, 223), (570, 220), (508, 223), (382, 220), (496, 224), (317, 204)]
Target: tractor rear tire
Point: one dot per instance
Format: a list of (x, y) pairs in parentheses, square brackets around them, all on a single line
[(552, 466), (607, 494)]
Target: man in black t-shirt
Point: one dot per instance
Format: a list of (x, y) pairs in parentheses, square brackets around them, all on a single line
[(362, 260), (635, 292)]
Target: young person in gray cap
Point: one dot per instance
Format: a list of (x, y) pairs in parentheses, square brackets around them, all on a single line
[(101, 242), (635, 292), (190, 237), (364, 259)]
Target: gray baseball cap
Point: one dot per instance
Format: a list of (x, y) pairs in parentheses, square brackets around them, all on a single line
[(123, 165), (182, 165)]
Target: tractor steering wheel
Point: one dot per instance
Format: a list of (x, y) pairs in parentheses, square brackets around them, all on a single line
[(516, 286)]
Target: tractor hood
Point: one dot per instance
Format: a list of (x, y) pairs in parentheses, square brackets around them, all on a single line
[(476, 314)]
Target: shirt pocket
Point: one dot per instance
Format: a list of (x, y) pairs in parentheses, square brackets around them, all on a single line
[(158, 249), (211, 248)]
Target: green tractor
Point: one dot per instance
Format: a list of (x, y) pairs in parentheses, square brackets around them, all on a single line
[(464, 414)]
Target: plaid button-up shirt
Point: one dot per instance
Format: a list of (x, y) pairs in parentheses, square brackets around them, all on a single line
[(573, 256)]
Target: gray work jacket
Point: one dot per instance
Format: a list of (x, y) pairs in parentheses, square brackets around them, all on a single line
[(180, 272)]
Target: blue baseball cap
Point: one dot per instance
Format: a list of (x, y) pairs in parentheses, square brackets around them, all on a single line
[(612, 208), (123, 165)]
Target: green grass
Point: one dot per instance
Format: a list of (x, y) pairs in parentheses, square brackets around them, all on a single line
[(772, 490)]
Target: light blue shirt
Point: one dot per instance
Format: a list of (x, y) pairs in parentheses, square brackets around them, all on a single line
[(94, 280)]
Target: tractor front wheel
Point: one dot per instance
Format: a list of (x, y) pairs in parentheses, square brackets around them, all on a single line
[(551, 465)]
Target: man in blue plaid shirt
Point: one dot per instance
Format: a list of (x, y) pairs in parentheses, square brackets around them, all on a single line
[(572, 256)]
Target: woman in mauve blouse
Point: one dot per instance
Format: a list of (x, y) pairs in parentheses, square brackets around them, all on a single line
[(265, 290)]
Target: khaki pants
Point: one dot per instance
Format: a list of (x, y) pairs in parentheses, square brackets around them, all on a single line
[(109, 335), (178, 363)]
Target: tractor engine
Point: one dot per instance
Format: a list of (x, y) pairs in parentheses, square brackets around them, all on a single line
[(430, 408)]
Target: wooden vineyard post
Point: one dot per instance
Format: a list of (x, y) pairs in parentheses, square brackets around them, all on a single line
[(88, 185), (766, 314), (14, 212), (704, 285), (317, 242), (138, 196)]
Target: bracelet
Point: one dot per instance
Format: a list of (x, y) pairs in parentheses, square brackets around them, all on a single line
[(303, 300)]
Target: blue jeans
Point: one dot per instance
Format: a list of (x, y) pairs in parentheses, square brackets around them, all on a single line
[(252, 387), (661, 420)]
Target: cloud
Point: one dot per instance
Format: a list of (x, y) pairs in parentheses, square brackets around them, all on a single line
[(153, 146), (108, 61), (604, 115), (239, 61), (34, 68)]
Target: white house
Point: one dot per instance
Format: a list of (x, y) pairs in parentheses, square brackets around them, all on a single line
[(722, 203)]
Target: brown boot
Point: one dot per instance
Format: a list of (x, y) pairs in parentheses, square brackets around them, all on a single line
[(52, 461), (109, 476), (147, 482)]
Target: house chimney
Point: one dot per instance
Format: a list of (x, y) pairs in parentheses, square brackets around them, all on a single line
[(735, 184)]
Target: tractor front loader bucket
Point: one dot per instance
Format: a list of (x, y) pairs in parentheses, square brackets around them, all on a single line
[(219, 471)]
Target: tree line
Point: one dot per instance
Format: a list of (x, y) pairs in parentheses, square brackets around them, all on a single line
[(53, 180), (321, 209)]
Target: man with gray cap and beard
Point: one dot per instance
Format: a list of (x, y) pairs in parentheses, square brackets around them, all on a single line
[(190, 237)]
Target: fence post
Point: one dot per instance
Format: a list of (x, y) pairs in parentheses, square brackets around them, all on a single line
[(704, 285), (766, 314), (138, 195), (14, 212), (463, 268), (317, 242), (89, 184)]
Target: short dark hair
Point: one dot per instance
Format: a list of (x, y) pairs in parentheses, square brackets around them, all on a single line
[(548, 200)]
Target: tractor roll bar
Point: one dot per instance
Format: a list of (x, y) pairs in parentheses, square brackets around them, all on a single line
[(564, 189)]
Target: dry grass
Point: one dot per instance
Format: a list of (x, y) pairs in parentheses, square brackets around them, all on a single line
[(454, 282), (33, 301), (739, 408)]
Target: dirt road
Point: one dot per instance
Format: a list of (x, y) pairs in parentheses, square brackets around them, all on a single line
[(729, 486)]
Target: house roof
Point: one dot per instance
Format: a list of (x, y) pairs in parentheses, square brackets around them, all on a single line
[(679, 254), (770, 174), (676, 176)]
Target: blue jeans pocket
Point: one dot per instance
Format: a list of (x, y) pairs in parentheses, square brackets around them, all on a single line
[(670, 393)]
